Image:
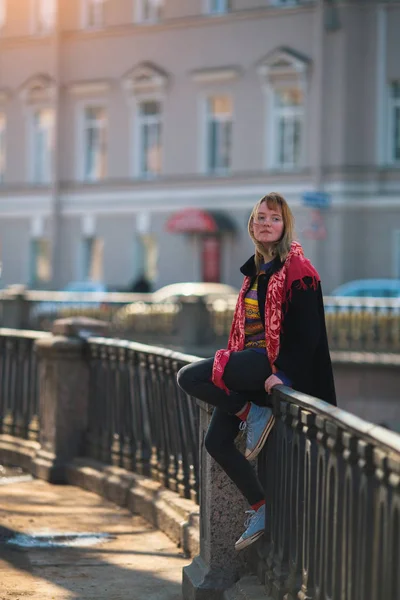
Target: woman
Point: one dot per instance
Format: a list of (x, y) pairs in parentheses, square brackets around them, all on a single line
[(278, 336)]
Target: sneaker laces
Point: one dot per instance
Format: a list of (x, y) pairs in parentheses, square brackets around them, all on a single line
[(250, 429), (250, 514)]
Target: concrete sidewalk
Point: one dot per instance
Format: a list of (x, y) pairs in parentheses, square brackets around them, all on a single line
[(135, 562)]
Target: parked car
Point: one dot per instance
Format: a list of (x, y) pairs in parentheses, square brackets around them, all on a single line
[(369, 288), (368, 295), (170, 293), (85, 286), (158, 309)]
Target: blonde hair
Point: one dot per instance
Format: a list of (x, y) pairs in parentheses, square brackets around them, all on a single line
[(281, 248)]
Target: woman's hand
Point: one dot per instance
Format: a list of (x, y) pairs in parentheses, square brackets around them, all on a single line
[(271, 382)]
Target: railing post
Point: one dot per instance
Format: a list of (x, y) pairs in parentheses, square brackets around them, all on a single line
[(221, 523), (15, 308), (63, 395)]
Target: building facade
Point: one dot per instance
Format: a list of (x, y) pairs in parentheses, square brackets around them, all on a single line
[(136, 135)]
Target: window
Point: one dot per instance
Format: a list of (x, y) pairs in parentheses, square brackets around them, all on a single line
[(217, 7), (93, 13), (92, 264), (149, 10), (219, 134), (394, 122), (3, 13), (150, 138), (95, 143), (146, 257), (2, 147), (40, 256), (285, 2), (44, 16), (396, 255), (287, 127), (42, 145)]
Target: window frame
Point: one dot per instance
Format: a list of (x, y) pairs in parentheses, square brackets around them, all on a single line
[(82, 107), (138, 135), (276, 114), (394, 103), (396, 253), (90, 246), (155, 16), (207, 169), (3, 145), (3, 14), (86, 7), (35, 18), (223, 10), (284, 68), (35, 241), (47, 167)]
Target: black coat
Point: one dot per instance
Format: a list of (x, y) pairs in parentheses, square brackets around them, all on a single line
[(304, 353)]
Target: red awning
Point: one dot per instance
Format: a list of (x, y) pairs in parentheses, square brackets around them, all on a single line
[(191, 220), (195, 220)]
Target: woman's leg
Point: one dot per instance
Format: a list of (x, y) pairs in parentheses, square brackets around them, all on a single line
[(220, 444), (195, 380), (244, 375)]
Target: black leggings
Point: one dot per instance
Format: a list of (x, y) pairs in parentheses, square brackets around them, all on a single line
[(244, 375)]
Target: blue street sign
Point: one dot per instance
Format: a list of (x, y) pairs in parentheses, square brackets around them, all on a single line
[(317, 199)]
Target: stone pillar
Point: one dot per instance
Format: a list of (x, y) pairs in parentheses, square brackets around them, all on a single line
[(15, 308), (194, 323), (222, 519), (63, 395)]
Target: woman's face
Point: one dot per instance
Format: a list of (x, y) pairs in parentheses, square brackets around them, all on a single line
[(268, 225)]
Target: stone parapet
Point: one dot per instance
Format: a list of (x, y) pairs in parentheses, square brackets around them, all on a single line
[(222, 509), (63, 395)]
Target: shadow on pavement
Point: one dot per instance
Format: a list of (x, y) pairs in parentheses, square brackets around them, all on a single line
[(136, 562)]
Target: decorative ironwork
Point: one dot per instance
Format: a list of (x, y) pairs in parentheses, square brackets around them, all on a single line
[(332, 480), (19, 384), (353, 324), (332, 486), (138, 417)]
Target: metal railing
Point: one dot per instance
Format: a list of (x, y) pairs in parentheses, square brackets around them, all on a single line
[(332, 480), (139, 418), (332, 486), (19, 411), (131, 316), (363, 324), (353, 324), (124, 310)]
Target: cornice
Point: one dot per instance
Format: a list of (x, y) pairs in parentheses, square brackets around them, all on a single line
[(130, 29)]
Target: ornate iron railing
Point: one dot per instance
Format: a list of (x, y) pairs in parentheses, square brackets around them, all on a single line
[(332, 486), (332, 480), (139, 418), (353, 324), (19, 383)]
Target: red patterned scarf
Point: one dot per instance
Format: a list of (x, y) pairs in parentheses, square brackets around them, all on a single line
[(295, 268)]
